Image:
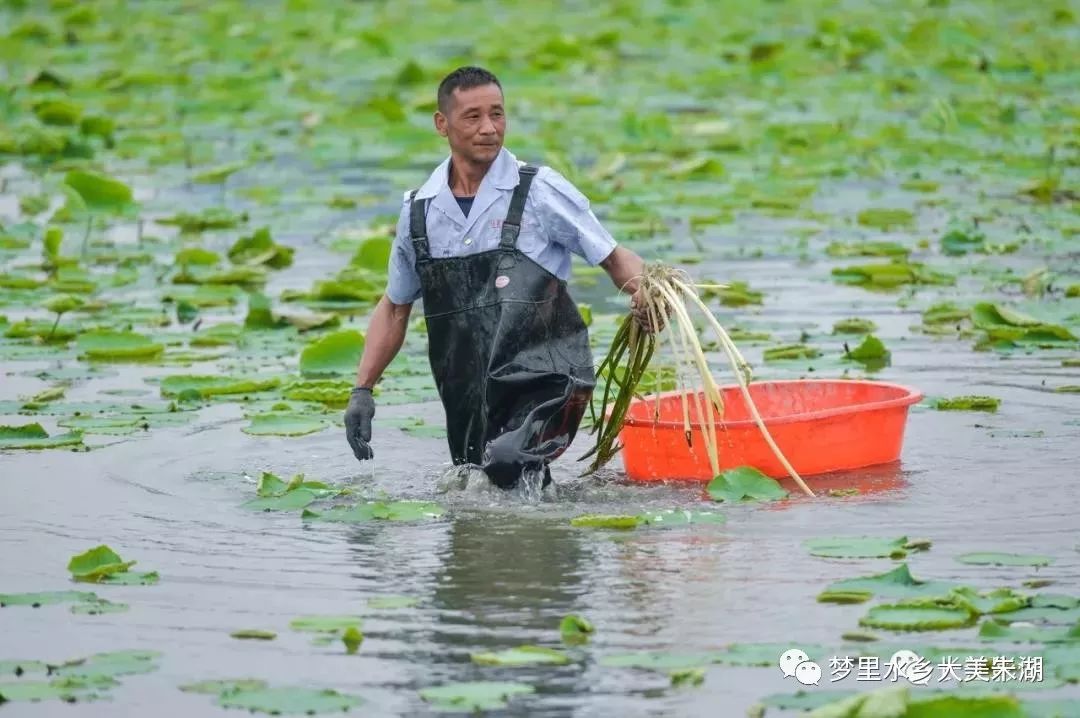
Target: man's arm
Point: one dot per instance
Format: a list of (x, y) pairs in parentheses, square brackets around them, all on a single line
[(385, 335), (624, 266), (390, 319)]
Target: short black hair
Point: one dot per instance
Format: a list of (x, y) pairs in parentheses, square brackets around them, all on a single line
[(464, 78)]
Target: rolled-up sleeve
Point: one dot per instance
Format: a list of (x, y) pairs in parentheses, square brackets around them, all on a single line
[(403, 281), (566, 218)]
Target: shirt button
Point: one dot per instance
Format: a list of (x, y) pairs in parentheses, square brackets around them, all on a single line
[(468, 240)]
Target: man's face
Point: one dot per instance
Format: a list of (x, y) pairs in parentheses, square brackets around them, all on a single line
[(474, 123)]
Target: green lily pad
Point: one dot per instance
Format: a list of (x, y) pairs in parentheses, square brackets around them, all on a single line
[(1063, 660), (378, 510), (260, 248), (285, 424), (51, 394), (218, 174), (866, 249), (858, 547), (68, 690), (331, 392), (271, 485), (19, 668), (994, 629), (289, 701), (744, 483), (986, 315), (1053, 616), (373, 254), (889, 276), (1001, 600), (253, 634), (522, 656), (334, 354), (945, 313), (885, 218), (1064, 708), (325, 624), (108, 425), (210, 386), (968, 403), (474, 696), (219, 335), (108, 665), (899, 702), (196, 255), (854, 326), (34, 436), (46, 598), (97, 563), (220, 687), (871, 352), (132, 578), (100, 192), (208, 219), (606, 522), (958, 242), (62, 303), (790, 352), (1051, 600), (988, 558), (897, 583), (575, 630), (733, 294), (205, 296), (917, 616), (100, 345), (45, 331), (760, 654), (687, 677), (1005, 324), (99, 607)]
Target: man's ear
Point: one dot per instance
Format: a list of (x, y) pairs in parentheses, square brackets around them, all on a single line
[(440, 123)]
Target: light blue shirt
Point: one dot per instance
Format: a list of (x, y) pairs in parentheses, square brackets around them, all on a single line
[(556, 223)]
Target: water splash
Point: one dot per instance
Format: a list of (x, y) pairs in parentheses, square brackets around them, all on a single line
[(530, 485)]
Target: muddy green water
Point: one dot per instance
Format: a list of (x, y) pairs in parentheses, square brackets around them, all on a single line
[(502, 570), (764, 129)]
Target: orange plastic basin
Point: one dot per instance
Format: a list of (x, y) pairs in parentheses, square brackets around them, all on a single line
[(820, 425)]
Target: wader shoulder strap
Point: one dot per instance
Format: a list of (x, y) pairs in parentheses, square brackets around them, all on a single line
[(418, 227), (512, 224)]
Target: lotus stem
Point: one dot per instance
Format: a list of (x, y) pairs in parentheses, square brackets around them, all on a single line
[(669, 292), (738, 364)]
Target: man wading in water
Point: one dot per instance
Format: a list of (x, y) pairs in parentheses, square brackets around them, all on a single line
[(486, 241)]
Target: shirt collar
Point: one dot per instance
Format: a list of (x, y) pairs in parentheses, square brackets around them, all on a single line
[(503, 174)]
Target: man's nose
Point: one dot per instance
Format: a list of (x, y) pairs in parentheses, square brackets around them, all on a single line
[(487, 127)]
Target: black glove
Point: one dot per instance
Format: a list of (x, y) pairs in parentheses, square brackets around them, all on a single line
[(358, 416)]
